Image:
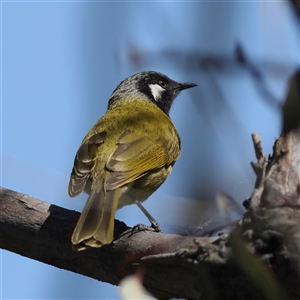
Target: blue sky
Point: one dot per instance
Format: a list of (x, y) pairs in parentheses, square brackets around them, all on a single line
[(60, 63)]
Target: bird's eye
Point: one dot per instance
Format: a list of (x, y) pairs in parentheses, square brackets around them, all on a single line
[(162, 84)]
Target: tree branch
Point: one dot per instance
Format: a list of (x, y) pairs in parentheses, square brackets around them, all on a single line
[(259, 259), (41, 231)]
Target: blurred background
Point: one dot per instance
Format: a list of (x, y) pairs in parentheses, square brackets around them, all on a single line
[(62, 60)]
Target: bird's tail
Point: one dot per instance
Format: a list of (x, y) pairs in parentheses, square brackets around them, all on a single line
[(95, 226)]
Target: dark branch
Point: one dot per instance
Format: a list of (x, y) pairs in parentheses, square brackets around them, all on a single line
[(177, 266), (41, 231), (259, 259)]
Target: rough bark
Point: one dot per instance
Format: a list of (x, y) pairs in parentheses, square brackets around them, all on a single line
[(259, 259)]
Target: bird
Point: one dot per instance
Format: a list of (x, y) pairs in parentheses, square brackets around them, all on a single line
[(126, 156)]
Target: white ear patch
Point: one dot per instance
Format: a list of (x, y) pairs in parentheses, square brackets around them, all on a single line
[(156, 91)]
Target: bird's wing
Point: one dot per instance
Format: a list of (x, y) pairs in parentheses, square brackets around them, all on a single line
[(135, 156), (84, 163)]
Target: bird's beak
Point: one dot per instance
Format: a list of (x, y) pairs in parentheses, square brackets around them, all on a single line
[(185, 85)]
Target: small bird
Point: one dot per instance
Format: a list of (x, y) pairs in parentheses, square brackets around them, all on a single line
[(127, 154)]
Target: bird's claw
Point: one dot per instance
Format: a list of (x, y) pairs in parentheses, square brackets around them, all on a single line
[(142, 227)]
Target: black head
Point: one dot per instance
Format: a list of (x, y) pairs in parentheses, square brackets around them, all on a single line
[(153, 86)]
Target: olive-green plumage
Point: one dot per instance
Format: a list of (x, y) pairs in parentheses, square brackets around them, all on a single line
[(126, 155)]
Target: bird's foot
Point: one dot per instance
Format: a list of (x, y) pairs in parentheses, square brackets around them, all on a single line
[(154, 224), (142, 227)]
